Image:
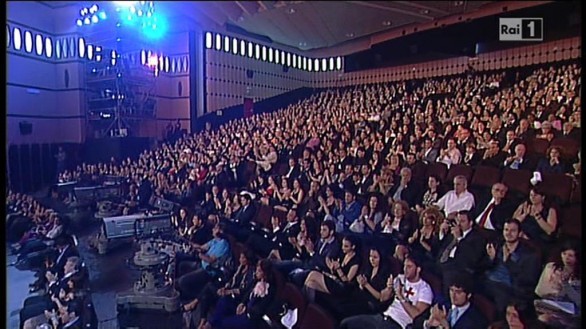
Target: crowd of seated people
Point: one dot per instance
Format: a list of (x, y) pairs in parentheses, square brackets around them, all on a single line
[(43, 244), (352, 166), (30, 226)]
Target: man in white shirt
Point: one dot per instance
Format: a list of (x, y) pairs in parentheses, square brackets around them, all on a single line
[(457, 199), (412, 296), (450, 155)]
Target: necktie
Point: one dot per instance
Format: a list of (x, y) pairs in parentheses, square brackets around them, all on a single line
[(397, 195), (453, 317), (321, 249), (484, 217), (449, 247)]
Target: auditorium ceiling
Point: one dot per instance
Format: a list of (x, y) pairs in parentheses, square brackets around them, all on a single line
[(309, 25)]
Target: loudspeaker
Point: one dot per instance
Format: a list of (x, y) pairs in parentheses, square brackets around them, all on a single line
[(26, 128), (249, 74)]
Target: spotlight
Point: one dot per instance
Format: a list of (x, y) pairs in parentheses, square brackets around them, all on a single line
[(102, 15), (79, 22), (94, 19), (94, 9), (124, 3), (139, 13), (82, 12), (87, 21)]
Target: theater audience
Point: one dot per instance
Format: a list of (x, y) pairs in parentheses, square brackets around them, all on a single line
[(330, 146)]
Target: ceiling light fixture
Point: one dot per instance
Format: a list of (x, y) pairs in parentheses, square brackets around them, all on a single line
[(387, 23), (424, 11), (291, 10), (350, 35)]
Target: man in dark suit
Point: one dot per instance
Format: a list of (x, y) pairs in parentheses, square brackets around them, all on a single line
[(520, 159), (406, 189), (365, 181), (292, 170), (460, 314), (571, 132), (471, 157), (492, 210), (240, 224), (56, 263), (493, 156), (463, 139), (262, 242), (417, 168), (462, 250), (327, 246), (35, 305), (512, 269)]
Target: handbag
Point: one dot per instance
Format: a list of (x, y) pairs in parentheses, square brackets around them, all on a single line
[(357, 226)]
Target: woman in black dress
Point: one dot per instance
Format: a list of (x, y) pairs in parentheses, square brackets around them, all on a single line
[(539, 221), (341, 275), (366, 296)]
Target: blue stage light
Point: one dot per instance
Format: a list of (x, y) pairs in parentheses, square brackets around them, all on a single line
[(93, 9), (79, 22), (102, 15), (87, 21), (95, 19)]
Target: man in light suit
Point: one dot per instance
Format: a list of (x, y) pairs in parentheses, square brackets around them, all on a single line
[(460, 314), (430, 152)]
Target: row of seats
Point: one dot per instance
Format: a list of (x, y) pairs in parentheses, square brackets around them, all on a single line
[(546, 52), (569, 147)]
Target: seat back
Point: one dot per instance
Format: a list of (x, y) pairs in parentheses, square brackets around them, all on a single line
[(485, 176), (486, 306), (316, 317), (558, 186), (570, 221), (517, 180), (569, 147), (537, 146), (437, 168), (459, 169)]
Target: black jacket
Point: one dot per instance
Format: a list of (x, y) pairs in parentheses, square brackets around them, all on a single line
[(469, 255), (245, 216), (500, 213)]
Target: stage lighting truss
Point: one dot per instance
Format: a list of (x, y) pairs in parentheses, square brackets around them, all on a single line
[(90, 15), (141, 11)]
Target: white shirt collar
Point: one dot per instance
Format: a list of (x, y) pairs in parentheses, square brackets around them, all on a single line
[(461, 309), (466, 232)]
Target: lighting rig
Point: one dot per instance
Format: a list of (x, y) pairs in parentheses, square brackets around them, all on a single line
[(123, 80)]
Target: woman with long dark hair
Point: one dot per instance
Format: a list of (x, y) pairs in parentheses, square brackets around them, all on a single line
[(539, 221), (366, 297), (560, 281), (518, 316), (341, 276)]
